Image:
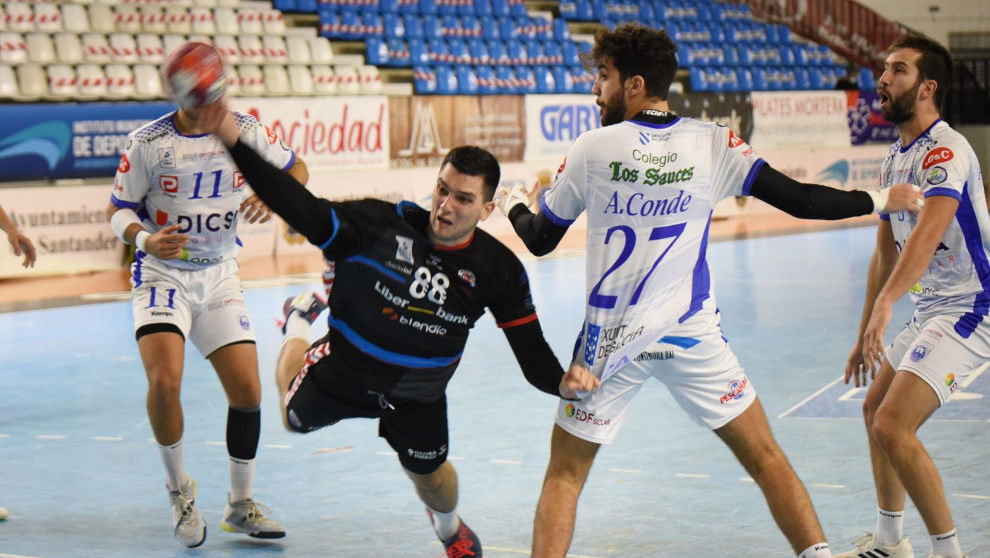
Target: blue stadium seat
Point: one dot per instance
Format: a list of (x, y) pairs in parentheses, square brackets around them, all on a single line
[(394, 26), (505, 80), (350, 25), (563, 79), (545, 81), (408, 7), (376, 51), (446, 81), (467, 80), (730, 54), (412, 26), (450, 25), (478, 50), (471, 26), (458, 51), (584, 11), (570, 51), (803, 79), (372, 25), (490, 28), (431, 26), (486, 80), (760, 80), (419, 54), (552, 52), (526, 79), (483, 8), (534, 52), (388, 6), (867, 82), (745, 79), (560, 30), (497, 52), (517, 8), (285, 5), (567, 9), (329, 23), (583, 79), (424, 79), (426, 6), (446, 7), (398, 52), (507, 29), (517, 54), (307, 6), (439, 52)]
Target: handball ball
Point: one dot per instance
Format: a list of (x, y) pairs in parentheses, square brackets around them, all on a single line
[(194, 75)]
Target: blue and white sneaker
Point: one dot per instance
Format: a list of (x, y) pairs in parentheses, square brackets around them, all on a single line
[(309, 305)]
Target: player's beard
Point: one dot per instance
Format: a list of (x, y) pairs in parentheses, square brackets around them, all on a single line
[(901, 108), (614, 110)]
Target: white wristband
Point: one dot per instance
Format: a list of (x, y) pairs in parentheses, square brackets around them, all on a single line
[(140, 239), (879, 198), (121, 219)]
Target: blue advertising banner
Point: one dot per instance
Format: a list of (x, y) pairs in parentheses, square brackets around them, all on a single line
[(45, 141), (866, 123)]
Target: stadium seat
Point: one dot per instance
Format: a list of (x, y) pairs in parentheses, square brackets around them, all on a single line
[(467, 80), (170, 42), (324, 82), (120, 81), (297, 50), (20, 18), (348, 82), (505, 81), (47, 18), (74, 18), (230, 51), (61, 82), (319, 47), (276, 80), (250, 49), (446, 81), (32, 82), (148, 83), (91, 81), (101, 19), (478, 51), (252, 82), (376, 51), (250, 21), (273, 22), (274, 49), (124, 48), (40, 48), (563, 79), (153, 19), (127, 19), (300, 80), (8, 82), (225, 21), (68, 48), (370, 79), (233, 80), (545, 81), (202, 20), (485, 76), (96, 48), (177, 20), (149, 48)]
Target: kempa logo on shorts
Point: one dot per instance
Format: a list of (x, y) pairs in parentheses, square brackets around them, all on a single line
[(921, 351)]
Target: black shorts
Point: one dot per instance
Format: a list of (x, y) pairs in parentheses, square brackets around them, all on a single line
[(320, 395)]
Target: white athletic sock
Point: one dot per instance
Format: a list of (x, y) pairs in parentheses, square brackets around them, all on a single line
[(296, 327), (817, 550), (890, 527), (175, 471), (946, 545), (241, 478), (445, 524)]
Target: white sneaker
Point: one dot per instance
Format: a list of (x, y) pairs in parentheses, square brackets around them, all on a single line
[(188, 525), (867, 547), (246, 517)]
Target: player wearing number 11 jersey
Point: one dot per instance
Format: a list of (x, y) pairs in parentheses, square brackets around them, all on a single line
[(649, 181)]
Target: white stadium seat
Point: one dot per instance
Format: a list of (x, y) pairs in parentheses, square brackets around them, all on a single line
[(8, 82), (274, 49), (120, 81), (171, 42), (324, 82), (40, 48), (75, 19), (147, 82), (371, 80), (91, 81), (96, 48), (178, 20), (47, 18), (13, 50), (32, 82), (102, 19), (154, 20), (321, 50), (348, 82), (225, 20), (250, 49), (62, 81), (68, 48), (273, 22), (202, 20), (276, 80), (250, 21), (297, 50), (300, 80), (252, 83), (128, 19), (20, 17), (150, 48), (229, 50), (233, 82), (124, 48)]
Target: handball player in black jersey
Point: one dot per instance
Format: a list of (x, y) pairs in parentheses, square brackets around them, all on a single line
[(409, 285)]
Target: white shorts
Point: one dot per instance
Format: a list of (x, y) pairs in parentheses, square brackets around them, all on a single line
[(207, 305), (931, 349), (695, 363)]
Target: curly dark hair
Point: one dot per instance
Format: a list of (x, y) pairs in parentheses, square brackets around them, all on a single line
[(637, 51), (475, 161), (935, 63)]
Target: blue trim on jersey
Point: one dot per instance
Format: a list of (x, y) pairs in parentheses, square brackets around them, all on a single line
[(751, 176), (657, 126), (136, 271), (885, 217), (921, 135), (682, 342), (377, 266), (559, 221), (966, 217), (948, 192), (237, 241), (143, 214), (701, 282), (336, 227), (386, 356), (121, 203), (172, 120), (291, 162)]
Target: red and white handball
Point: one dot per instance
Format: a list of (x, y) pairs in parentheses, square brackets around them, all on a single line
[(194, 75)]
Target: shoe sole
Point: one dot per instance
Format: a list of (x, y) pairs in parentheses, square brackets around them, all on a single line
[(259, 535), (203, 540)]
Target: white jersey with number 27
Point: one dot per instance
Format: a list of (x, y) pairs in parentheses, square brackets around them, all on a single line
[(649, 187)]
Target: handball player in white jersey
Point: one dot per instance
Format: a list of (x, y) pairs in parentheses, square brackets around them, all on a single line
[(942, 258), (178, 198), (649, 181)]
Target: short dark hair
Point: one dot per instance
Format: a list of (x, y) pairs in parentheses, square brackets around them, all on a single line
[(475, 161), (638, 51), (935, 63)]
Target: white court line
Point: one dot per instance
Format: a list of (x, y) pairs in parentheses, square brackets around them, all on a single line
[(4, 435), (278, 446), (341, 449), (810, 397), (50, 436), (625, 470), (124, 358), (505, 462), (974, 375), (692, 475), (746, 479), (108, 438), (215, 443), (973, 496), (388, 453), (826, 485), (17, 556), (455, 458)]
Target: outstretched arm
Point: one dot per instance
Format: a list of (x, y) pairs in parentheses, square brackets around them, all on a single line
[(538, 233), (309, 215), (813, 201)]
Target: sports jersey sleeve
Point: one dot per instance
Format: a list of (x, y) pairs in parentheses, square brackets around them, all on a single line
[(131, 182), (734, 165), (266, 142), (564, 201), (944, 169)]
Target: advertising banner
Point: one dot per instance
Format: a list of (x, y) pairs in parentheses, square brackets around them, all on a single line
[(48, 141), (734, 109), (68, 227), (423, 129), (326, 132), (799, 119), (553, 122), (866, 123)]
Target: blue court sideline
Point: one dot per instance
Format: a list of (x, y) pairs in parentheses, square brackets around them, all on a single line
[(82, 478)]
